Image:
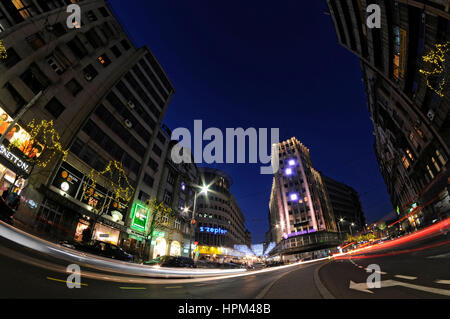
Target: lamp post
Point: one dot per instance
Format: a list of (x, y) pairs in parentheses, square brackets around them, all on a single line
[(339, 226), (351, 231), (204, 190)]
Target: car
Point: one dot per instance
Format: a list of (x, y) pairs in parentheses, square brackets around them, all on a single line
[(172, 261), (100, 248)]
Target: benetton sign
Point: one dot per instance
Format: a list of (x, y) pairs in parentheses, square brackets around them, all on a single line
[(15, 160)]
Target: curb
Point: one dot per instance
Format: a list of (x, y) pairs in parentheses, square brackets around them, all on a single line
[(324, 292)]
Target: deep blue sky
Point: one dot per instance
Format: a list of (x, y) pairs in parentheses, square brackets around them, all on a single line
[(264, 64)]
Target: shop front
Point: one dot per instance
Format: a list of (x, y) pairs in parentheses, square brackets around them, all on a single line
[(159, 247), (18, 154), (175, 248), (90, 207)]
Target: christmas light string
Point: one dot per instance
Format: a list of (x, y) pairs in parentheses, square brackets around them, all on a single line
[(437, 57), (123, 194)]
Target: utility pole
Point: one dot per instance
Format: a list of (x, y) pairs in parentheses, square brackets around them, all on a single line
[(21, 113)]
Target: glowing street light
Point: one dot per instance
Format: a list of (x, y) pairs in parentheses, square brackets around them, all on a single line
[(204, 190)]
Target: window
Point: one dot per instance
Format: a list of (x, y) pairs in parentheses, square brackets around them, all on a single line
[(143, 196), (35, 79), (161, 138), (153, 164), (15, 95), (125, 45), (103, 12), (35, 41), (441, 158), (55, 108), (157, 150), (74, 87), (177, 224), (107, 31), (167, 197), (430, 171), (91, 16), (104, 60), (438, 169), (405, 162), (116, 51), (25, 8), (77, 48), (90, 72), (149, 180), (171, 178), (56, 62), (94, 39), (58, 29), (12, 58)]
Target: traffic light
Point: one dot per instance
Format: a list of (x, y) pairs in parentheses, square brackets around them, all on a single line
[(193, 222)]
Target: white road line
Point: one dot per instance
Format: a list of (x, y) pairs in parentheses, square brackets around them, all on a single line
[(445, 282), (441, 256), (405, 277), (392, 283)]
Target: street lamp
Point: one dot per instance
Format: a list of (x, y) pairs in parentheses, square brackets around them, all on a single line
[(339, 226), (204, 190), (351, 225)]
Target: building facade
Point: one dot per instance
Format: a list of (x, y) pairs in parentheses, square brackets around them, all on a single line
[(219, 220), (301, 216), (347, 208), (107, 100), (176, 190), (409, 111)]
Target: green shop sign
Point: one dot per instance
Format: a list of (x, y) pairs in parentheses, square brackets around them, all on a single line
[(139, 217), (158, 234)]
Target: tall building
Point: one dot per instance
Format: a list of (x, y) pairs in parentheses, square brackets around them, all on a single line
[(176, 190), (347, 208), (301, 217), (409, 111), (107, 100), (220, 221)]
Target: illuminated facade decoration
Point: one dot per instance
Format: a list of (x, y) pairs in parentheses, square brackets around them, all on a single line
[(3, 53), (437, 58), (45, 133), (117, 180), (405, 69)]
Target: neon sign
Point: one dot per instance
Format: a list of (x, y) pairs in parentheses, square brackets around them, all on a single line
[(299, 233), (212, 230)]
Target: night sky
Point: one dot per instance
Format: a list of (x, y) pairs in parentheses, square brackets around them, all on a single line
[(264, 64)]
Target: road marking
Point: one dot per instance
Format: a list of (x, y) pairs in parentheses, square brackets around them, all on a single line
[(201, 285), (445, 282), (405, 277), (392, 283), (173, 287), (64, 281), (440, 256), (133, 288)]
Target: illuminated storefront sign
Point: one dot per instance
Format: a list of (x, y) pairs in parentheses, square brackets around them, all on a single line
[(304, 232), (19, 138), (15, 160), (209, 250), (212, 230), (139, 217)]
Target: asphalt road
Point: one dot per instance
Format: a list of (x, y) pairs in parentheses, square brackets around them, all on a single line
[(26, 274), (419, 270)]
